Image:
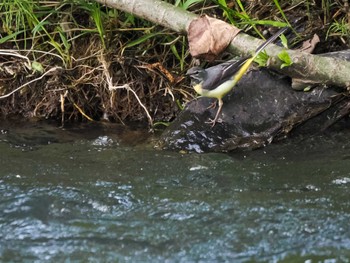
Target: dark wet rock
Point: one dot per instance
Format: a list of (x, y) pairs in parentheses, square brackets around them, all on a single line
[(262, 108), (343, 54)]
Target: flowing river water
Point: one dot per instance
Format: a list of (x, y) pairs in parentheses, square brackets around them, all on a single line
[(104, 194)]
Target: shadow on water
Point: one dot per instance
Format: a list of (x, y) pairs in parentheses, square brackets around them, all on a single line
[(104, 194)]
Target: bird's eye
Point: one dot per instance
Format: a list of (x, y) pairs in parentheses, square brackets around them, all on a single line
[(195, 72)]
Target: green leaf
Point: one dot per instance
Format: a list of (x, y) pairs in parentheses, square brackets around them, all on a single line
[(40, 26), (284, 57), (36, 66), (11, 36), (308, 88), (174, 50), (187, 4), (222, 2), (227, 12), (265, 23), (178, 103), (284, 41), (261, 59), (280, 10), (64, 40), (166, 124)]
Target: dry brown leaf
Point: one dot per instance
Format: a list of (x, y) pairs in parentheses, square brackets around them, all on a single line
[(309, 45), (208, 37)]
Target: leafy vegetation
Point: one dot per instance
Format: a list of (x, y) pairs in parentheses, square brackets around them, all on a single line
[(284, 56), (105, 64)]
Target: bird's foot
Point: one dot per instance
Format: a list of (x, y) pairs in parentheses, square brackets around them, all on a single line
[(214, 121)]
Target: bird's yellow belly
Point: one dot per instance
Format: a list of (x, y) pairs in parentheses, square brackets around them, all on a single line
[(219, 91)]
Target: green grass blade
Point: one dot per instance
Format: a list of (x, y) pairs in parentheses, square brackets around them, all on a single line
[(277, 4), (9, 37), (141, 40)]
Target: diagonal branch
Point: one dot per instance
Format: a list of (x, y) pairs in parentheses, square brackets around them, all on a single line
[(313, 68)]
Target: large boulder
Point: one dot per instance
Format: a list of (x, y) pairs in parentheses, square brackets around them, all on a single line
[(261, 108)]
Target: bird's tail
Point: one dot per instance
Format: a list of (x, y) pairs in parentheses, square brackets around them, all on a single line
[(270, 40), (249, 61)]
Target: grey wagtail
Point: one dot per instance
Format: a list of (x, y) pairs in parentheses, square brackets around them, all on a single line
[(217, 81)]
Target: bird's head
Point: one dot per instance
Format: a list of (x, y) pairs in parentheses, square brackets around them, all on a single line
[(196, 74)]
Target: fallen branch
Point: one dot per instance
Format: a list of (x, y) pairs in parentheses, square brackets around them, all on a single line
[(313, 68), (156, 11)]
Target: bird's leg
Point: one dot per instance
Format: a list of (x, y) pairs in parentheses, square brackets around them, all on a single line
[(212, 105), (212, 122)]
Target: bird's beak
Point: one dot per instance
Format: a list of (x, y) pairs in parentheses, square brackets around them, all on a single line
[(188, 72)]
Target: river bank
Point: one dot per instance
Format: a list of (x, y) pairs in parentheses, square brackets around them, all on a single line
[(58, 64)]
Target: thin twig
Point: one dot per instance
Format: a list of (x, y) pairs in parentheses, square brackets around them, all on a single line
[(128, 88), (125, 86), (29, 82), (5, 52)]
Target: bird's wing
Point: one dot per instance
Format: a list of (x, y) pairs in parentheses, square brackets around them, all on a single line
[(231, 69), (216, 75)]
